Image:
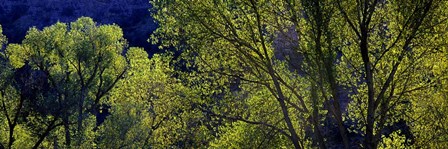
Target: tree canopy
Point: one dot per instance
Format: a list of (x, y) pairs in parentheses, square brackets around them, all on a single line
[(358, 69), (235, 74)]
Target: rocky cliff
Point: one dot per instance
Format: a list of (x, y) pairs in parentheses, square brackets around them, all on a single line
[(17, 16)]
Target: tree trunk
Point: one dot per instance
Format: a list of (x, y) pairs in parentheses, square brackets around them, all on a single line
[(67, 132), (11, 136), (55, 143), (369, 141), (12, 124), (315, 118), (45, 134), (281, 100), (80, 112)]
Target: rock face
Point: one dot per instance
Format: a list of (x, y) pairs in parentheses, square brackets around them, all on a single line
[(133, 16)]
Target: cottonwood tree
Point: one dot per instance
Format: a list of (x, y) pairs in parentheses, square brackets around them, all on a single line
[(382, 52), (233, 42), (148, 108), (11, 114), (67, 70), (392, 45)]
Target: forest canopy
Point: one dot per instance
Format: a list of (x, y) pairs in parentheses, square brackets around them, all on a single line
[(235, 74)]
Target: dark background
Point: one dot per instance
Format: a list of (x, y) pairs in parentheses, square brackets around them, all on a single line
[(133, 16)]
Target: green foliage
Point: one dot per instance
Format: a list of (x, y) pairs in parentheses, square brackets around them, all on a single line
[(382, 53), (250, 74), (75, 66), (393, 141), (3, 39), (231, 44), (147, 100), (236, 136)]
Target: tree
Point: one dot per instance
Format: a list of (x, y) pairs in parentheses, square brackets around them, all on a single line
[(70, 74), (233, 42), (394, 43), (428, 117), (147, 107), (11, 112), (379, 51), (76, 64)]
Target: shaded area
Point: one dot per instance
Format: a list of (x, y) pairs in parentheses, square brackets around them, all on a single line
[(17, 16)]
